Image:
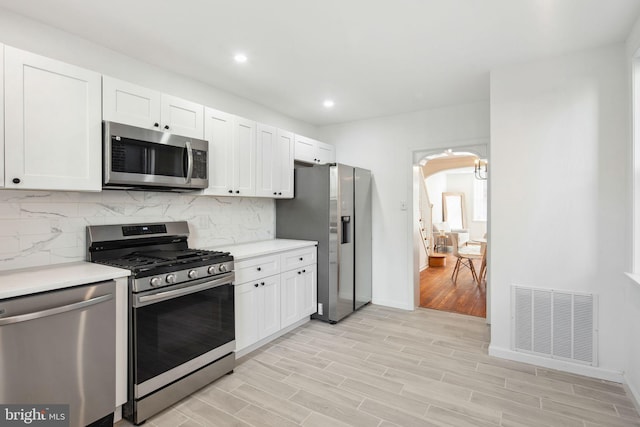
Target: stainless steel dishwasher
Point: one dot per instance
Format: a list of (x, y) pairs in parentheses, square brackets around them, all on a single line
[(59, 348)]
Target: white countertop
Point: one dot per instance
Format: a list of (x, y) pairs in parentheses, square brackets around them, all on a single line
[(263, 247), (31, 280)]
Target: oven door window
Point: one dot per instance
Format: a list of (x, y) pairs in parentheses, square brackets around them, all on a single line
[(172, 332), (147, 158)]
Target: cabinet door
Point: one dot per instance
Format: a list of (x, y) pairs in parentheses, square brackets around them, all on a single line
[(305, 149), (289, 298), (269, 306), (308, 291), (53, 124), (218, 128), (244, 157), (267, 159), (246, 314), (284, 157), (1, 115), (182, 117), (134, 105), (326, 153)]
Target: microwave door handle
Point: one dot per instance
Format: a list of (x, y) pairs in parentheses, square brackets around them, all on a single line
[(189, 161)]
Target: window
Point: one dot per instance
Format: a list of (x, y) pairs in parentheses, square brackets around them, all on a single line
[(479, 199)]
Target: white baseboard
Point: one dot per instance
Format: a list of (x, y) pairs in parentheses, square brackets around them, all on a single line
[(560, 365), (393, 304), (633, 392)]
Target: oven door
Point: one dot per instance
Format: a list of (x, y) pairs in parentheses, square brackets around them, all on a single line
[(180, 330)]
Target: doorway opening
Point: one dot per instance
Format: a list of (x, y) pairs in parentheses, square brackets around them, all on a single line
[(450, 207)]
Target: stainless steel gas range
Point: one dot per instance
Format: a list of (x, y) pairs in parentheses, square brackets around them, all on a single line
[(181, 314)]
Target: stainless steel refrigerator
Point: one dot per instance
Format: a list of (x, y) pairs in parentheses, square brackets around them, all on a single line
[(332, 205)]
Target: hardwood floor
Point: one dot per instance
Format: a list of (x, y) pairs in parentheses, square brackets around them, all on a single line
[(437, 290), (385, 367)]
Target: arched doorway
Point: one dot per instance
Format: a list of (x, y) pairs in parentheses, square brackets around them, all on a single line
[(476, 149)]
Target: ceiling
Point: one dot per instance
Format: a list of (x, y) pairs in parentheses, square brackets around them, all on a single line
[(373, 58)]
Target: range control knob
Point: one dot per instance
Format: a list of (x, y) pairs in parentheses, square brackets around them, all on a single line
[(193, 274), (171, 278), (223, 268), (212, 269), (156, 281)]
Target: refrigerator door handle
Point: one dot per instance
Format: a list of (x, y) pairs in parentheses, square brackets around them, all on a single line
[(346, 230)]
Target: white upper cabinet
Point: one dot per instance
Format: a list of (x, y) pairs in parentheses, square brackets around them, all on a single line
[(275, 162), (53, 132), (232, 154), (309, 150), (134, 105), (182, 117), (124, 102), (1, 115), (218, 130), (244, 157)]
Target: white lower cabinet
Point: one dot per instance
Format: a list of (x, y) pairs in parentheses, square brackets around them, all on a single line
[(298, 294), (273, 292), (257, 306)]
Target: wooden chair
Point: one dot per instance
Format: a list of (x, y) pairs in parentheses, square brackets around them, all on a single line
[(464, 258)]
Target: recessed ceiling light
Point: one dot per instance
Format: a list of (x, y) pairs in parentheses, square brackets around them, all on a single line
[(240, 58), (328, 103)]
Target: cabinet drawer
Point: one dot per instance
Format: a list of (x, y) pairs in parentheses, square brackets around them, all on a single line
[(256, 268), (298, 258)]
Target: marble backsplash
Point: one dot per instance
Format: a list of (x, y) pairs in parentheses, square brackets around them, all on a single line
[(42, 227)]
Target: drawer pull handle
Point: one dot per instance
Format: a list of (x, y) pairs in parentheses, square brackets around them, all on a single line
[(299, 272), (304, 271), (301, 259), (259, 269), (262, 283), (256, 285)]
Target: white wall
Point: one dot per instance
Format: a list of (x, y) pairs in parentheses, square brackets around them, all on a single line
[(632, 296), (559, 212), (436, 185), (24, 33), (384, 145)]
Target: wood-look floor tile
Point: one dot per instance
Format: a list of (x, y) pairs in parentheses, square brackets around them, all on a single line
[(426, 346), (326, 375), (316, 419), (315, 361), (605, 396), (541, 417), (340, 412), (342, 348), (259, 417), (330, 393), (559, 396), (273, 403), (458, 405), (208, 415), (436, 388), (402, 403), (627, 412), (221, 399), (441, 361), (266, 384), (456, 419), (521, 376), (581, 380), (586, 414), (170, 417), (268, 370), (356, 374), (228, 382), (365, 365), (494, 390), (394, 415)]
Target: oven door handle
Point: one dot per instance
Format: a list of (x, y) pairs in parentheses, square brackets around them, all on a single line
[(143, 300)]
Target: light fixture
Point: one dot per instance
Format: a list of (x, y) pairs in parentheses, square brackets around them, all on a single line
[(240, 58), (328, 103), (481, 169)]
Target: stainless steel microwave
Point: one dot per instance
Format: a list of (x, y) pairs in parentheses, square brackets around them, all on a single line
[(136, 158)]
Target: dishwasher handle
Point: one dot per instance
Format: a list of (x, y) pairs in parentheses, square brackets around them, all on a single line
[(53, 311)]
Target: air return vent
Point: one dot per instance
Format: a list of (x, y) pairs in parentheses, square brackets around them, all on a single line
[(556, 324)]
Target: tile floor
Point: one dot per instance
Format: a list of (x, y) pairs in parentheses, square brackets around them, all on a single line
[(384, 367)]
